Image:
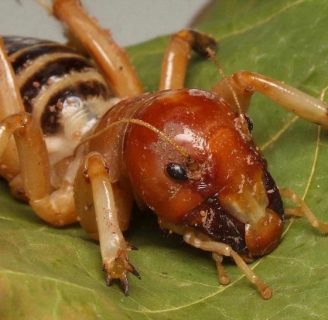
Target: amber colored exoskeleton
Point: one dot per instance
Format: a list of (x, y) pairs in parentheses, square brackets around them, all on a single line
[(81, 141)]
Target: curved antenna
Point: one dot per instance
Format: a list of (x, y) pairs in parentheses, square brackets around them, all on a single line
[(212, 57), (142, 123)]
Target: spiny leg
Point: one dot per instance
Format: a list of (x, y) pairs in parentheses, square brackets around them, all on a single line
[(114, 248), (56, 207), (111, 59), (13, 116), (302, 210), (177, 55), (245, 83)]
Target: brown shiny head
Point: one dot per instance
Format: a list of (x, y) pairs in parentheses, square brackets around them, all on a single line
[(207, 173)]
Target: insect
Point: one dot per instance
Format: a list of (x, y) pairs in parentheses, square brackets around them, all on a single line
[(186, 154)]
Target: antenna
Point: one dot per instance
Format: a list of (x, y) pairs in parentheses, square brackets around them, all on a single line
[(142, 123), (212, 57), (46, 5)]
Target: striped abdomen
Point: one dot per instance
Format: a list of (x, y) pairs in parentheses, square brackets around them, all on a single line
[(60, 87)]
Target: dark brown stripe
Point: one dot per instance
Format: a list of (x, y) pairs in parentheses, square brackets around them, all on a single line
[(27, 56), (50, 119), (57, 68), (15, 43)]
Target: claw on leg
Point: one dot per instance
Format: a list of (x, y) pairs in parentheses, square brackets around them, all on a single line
[(134, 271), (124, 284), (118, 269), (132, 247), (114, 249)]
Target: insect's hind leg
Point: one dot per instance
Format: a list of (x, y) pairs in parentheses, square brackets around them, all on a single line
[(218, 250), (54, 207), (111, 59), (9, 166), (178, 53), (101, 212), (243, 84)]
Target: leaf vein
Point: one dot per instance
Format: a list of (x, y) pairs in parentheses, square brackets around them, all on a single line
[(46, 278), (314, 164), (316, 151), (203, 299), (279, 133), (264, 21)]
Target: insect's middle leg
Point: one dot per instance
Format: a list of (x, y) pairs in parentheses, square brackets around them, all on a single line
[(177, 56), (241, 85)]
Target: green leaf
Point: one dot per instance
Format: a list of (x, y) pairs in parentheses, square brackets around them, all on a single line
[(47, 273)]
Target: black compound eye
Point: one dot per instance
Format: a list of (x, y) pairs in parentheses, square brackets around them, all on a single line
[(176, 171), (249, 123)]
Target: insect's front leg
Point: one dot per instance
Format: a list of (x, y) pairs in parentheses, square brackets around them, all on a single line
[(239, 87), (104, 216), (222, 275), (219, 250)]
